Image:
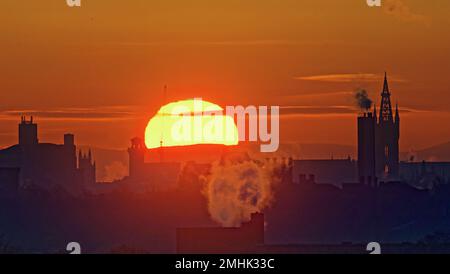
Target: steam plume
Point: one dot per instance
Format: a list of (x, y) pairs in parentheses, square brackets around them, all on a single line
[(362, 99), (115, 171), (235, 190)]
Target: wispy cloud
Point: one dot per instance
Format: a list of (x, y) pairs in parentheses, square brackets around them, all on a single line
[(309, 110), (402, 11), (347, 78), (316, 110), (102, 113), (213, 43), (234, 43), (318, 94)]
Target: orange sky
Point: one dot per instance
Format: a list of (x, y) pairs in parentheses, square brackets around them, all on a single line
[(98, 71)]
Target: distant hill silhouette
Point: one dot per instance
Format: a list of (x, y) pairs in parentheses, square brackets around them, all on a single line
[(437, 153), (305, 151), (112, 164)]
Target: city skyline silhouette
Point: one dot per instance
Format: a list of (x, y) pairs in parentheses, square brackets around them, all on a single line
[(116, 136)]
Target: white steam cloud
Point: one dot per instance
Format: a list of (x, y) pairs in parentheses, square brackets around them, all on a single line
[(115, 171), (237, 189)]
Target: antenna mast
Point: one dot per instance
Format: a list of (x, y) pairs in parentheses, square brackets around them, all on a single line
[(161, 152)]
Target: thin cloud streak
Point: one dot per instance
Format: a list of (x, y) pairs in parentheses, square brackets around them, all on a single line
[(235, 43), (306, 110), (107, 114), (79, 114), (317, 94), (400, 10), (348, 78)]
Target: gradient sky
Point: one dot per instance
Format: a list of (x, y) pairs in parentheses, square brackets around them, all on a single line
[(98, 71)]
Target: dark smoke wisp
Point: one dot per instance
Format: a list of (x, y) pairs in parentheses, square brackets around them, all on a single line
[(362, 99)]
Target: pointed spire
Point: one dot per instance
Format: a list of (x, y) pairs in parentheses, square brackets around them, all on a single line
[(385, 85), (386, 114), (90, 156)]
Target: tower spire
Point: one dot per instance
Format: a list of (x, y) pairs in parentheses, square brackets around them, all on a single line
[(386, 106), (385, 84), (161, 149), (387, 134)]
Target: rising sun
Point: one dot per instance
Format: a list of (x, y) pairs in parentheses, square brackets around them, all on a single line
[(190, 122)]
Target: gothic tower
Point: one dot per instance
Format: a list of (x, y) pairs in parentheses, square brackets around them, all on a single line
[(87, 168), (27, 132), (366, 148), (387, 137), (136, 155)]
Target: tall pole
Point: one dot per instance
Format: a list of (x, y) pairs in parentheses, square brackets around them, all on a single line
[(161, 152)]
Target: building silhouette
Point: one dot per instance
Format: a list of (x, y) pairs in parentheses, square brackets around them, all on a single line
[(45, 165), (307, 216), (148, 176), (367, 126), (9, 181), (248, 238), (87, 168), (378, 142), (378, 155), (325, 171), (27, 132), (136, 155), (387, 137)]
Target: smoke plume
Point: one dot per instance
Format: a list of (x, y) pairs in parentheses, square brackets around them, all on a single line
[(402, 11), (114, 171), (362, 99), (235, 190)]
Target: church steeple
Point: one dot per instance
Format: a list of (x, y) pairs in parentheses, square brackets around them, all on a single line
[(388, 135), (386, 85), (386, 106)]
